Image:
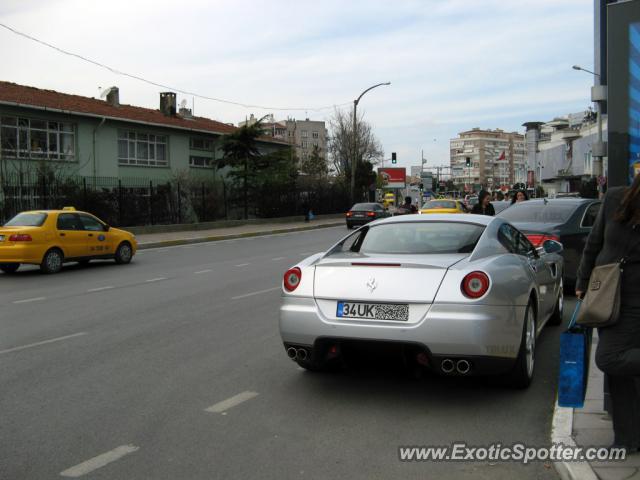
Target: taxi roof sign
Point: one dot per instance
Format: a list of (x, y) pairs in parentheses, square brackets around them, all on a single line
[(71, 209)]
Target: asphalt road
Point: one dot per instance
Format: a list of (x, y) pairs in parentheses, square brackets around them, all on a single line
[(172, 368)]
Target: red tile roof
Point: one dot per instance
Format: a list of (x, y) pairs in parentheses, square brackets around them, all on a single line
[(11, 93)]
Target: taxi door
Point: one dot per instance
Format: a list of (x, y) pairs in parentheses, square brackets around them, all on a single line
[(71, 235), (99, 241)]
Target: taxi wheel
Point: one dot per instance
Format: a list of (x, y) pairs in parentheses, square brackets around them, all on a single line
[(9, 267), (124, 253), (52, 261)]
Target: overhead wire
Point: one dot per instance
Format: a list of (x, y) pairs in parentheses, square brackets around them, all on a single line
[(157, 84)]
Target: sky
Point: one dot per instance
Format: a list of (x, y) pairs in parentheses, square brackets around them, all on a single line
[(453, 64)]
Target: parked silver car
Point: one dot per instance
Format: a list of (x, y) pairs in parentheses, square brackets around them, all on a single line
[(464, 294)]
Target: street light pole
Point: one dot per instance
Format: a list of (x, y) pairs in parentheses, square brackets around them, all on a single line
[(355, 139)]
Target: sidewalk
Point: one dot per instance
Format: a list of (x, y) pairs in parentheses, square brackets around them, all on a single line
[(591, 426), (165, 239)]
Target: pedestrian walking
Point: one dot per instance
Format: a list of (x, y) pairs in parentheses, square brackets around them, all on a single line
[(483, 207), (407, 207), (519, 196), (614, 235)]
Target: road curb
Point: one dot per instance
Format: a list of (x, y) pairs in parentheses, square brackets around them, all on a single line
[(561, 432), (217, 238)]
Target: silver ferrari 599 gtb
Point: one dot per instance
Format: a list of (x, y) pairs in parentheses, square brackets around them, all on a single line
[(463, 294)]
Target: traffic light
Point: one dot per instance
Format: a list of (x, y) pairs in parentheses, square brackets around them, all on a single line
[(468, 161), (422, 186), (394, 159)]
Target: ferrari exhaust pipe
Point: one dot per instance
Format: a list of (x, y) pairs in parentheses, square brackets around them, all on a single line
[(301, 354), (463, 367), (447, 365), (291, 353)]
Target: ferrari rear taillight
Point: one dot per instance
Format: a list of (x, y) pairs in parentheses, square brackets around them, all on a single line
[(475, 284), (292, 279), (537, 239), (20, 237)]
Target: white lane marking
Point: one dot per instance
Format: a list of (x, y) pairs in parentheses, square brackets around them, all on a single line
[(155, 279), (203, 271), (225, 405), (255, 293), (44, 342), (99, 461), (278, 258), (28, 300), (242, 265), (99, 289)]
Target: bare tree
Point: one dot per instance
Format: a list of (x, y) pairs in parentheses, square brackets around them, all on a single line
[(341, 144)]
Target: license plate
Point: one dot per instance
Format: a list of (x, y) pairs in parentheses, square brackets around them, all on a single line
[(358, 214), (373, 311)]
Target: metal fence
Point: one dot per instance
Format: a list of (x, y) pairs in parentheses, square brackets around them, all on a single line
[(134, 201)]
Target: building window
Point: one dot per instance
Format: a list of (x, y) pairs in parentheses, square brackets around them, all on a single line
[(587, 162), (305, 134), (305, 144), (197, 161), (315, 143), (146, 149), (37, 139), (200, 144), (315, 135)]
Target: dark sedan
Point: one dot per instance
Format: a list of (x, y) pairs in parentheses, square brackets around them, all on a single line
[(500, 205), (567, 220), (362, 213)]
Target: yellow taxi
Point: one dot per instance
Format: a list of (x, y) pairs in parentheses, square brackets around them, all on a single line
[(389, 200), (50, 238), (443, 206)]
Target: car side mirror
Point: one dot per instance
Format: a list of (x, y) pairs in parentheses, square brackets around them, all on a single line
[(551, 246), (106, 227)]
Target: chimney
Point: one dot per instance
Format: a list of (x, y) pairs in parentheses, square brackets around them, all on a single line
[(168, 103), (113, 96)]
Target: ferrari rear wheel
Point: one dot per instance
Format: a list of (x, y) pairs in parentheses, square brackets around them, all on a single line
[(9, 267), (522, 373)]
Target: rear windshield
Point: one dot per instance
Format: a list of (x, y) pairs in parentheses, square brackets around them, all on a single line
[(27, 220), (363, 207), (420, 238), (538, 213), (433, 204)]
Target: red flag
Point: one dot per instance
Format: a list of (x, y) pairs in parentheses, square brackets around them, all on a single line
[(502, 156)]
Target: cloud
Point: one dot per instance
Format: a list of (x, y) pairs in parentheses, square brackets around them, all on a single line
[(453, 64)]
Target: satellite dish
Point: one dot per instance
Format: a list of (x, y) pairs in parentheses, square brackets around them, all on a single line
[(183, 103)]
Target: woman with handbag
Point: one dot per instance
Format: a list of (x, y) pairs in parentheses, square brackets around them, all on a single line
[(615, 236)]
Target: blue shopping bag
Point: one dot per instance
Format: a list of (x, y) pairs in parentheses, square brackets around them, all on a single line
[(575, 350)]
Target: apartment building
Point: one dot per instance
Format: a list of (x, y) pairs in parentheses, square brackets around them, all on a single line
[(303, 135), (482, 158)]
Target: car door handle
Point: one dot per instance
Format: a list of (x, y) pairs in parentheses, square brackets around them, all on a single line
[(63, 234), (91, 234)]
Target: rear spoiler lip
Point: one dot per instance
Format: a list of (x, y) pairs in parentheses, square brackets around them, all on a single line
[(373, 264)]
